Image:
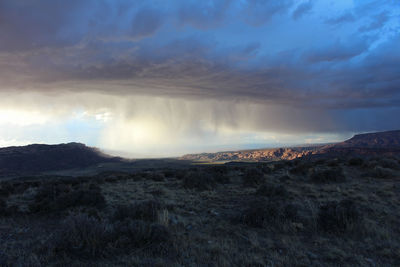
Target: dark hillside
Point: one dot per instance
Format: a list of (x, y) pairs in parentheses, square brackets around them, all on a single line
[(39, 158), (382, 140)]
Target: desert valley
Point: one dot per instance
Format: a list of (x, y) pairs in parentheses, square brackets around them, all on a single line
[(331, 205)]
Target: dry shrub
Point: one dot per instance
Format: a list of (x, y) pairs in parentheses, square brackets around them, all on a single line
[(284, 178), (17, 187), (156, 176), (111, 179), (168, 173), (6, 189), (355, 161), (253, 177), (339, 217), (205, 178), (219, 173), (274, 191), (301, 168), (265, 168), (221, 178), (3, 207), (59, 197), (333, 163), (221, 169), (379, 172), (332, 175), (259, 213), (143, 210), (6, 210), (3, 259), (281, 165), (389, 163), (82, 236), (264, 213), (139, 234), (370, 164), (320, 161), (198, 180), (180, 174)]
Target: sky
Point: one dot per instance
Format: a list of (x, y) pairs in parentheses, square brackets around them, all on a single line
[(164, 78)]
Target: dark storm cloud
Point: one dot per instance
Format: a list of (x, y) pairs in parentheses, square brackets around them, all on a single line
[(259, 12), (337, 51), (379, 77), (32, 24), (344, 18), (235, 50), (146, 22), (377, 22), (302, 9), (203, 14)]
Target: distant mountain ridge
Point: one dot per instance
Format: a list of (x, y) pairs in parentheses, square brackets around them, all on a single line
[(368, 144), (386, 140), (38, 158), (387, 143)]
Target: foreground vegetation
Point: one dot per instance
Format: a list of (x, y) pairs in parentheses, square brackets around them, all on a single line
[(336, 212)]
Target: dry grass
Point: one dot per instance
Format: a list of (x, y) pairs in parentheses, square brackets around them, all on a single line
[(340, 212)]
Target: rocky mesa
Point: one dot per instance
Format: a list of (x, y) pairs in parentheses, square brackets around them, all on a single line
[(367, 144)]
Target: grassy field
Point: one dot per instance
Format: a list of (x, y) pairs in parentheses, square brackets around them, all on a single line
[(338, 212), (129, 166)]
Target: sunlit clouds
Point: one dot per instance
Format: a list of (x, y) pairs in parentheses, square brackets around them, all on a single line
[(154, 126)]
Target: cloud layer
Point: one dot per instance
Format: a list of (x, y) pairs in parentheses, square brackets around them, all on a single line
[(203, 69)]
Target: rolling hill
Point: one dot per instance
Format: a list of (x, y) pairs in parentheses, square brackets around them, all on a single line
[(382, 140), (38, 158)]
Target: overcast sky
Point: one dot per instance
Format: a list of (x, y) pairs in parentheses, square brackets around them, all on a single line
[(160, 78)]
